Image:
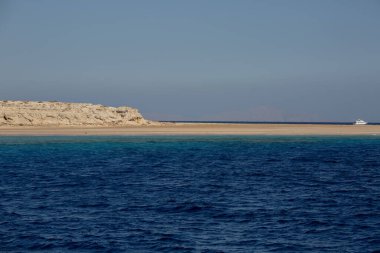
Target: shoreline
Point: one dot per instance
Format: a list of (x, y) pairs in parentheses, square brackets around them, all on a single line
[(196, 129)]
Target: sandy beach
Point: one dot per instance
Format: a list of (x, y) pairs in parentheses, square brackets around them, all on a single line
[(198, 129)]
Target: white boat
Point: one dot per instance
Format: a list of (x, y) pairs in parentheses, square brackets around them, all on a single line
[(360, 122)]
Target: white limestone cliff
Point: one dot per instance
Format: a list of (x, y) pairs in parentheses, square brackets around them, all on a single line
[(31, 113)]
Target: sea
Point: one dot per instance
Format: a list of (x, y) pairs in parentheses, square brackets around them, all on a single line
[(270, 122), (190, 194)]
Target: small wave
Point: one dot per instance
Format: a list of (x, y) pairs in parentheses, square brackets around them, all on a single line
[(191, 194)]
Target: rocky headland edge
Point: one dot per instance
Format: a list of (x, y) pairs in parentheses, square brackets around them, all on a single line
[(53, 113)]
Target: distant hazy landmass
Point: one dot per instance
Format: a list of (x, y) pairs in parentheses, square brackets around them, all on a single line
[(43, 113)]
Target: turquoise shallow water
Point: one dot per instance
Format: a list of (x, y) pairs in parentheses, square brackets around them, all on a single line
[(190, 194)]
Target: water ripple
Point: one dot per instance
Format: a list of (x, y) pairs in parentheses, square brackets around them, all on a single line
[(190, 194)]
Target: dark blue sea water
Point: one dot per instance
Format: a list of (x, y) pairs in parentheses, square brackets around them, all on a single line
[(271, 122), (190, 194)]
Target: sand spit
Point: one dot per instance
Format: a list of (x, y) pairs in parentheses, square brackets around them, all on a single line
[(197, 129), (58, 118), (60, 114)]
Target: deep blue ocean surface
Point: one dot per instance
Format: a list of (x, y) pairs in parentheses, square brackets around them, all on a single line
[(190, 194)]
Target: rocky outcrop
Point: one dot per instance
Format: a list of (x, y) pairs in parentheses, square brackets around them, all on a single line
[(29, 113)]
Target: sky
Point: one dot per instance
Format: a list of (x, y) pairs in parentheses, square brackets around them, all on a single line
[(250, 60)]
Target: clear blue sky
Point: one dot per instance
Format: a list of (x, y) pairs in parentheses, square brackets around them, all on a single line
[(197, 60)]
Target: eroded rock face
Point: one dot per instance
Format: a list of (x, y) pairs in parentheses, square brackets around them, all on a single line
[(30, 113)]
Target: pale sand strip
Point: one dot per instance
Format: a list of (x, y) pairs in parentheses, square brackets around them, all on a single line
[(198, 129)]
